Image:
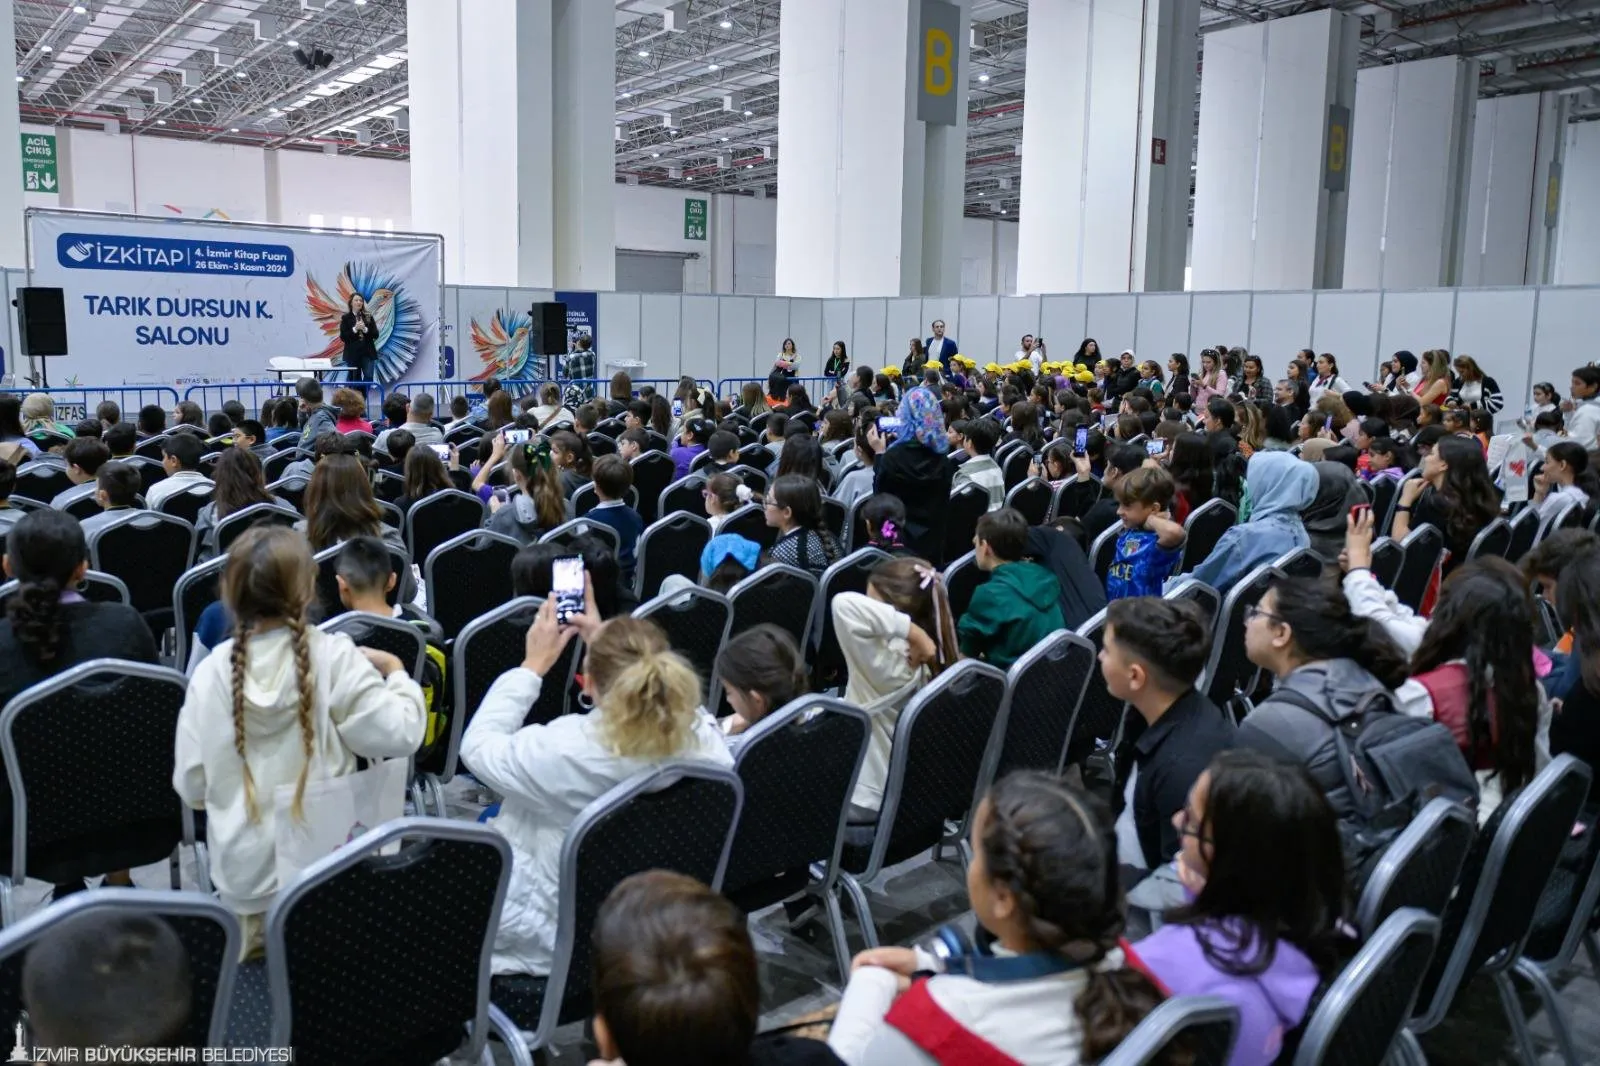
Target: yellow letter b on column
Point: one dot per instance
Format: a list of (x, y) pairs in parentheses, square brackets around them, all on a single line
[(937, 79)]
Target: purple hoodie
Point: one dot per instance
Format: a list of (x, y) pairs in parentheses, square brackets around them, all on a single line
[(1270, 1003)]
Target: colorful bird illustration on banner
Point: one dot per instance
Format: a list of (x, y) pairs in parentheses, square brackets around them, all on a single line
[(503, 347), (398, 316)]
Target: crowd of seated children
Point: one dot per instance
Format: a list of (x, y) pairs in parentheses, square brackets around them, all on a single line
[(1019, 605)]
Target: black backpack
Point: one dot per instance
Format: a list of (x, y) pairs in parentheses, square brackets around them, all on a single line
[(1393, 764)]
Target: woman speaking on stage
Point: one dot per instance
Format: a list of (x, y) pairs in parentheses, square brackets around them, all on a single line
[(359, 332)]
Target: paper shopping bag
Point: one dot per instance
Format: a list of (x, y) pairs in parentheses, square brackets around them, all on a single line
[(336, 811)]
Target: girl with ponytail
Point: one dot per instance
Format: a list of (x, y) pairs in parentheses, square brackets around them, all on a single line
[(280, 703), (1057, 987), (646, 708)]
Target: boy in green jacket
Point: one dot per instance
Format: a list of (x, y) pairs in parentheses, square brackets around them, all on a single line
[(1019, 605)]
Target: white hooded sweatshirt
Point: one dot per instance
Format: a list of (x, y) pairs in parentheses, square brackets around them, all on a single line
[(356, 713)]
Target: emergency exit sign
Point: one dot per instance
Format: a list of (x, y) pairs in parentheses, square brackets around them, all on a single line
[(39, 163), (694, 220)]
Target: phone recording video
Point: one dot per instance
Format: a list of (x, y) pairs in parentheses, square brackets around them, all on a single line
[(1080, 441), (677, 408), (890, 426), (518, 436), (566, 585), (1155, 448), (441, 450)]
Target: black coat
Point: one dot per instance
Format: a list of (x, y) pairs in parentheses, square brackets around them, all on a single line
[(360, 349), (921, 478)]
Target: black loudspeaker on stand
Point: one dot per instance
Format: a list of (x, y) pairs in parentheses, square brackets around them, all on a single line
[(549, 329), (41, 324)]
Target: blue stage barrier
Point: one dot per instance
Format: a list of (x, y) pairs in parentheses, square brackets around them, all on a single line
[(74, 403), (251, 393)]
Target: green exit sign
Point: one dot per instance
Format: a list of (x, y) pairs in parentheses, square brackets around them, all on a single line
[(39, 163), (694, 220)]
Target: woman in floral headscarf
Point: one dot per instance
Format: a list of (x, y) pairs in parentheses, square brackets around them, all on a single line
[(912, 466)]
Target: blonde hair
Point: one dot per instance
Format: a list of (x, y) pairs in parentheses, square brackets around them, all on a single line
[(647, 694), (270, 577)]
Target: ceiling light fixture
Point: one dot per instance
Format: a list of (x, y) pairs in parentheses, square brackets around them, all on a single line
[(21, 78), (161, 122), (983, 77), (383, 146), (46, 49), (234, 129), (724, 140), (293, 44), (725, 24), (239, 74), (79, 9), (655, 155), (748, 113), (713, 67), (643, 54), (198, 100), (627, 95)]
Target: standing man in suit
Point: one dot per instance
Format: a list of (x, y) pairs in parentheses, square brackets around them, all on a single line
[(359, 332), (939, 347)]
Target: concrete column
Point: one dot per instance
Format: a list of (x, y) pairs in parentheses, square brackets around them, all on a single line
[(1577, 256), (13, 252), (1265, 216), (1509, 229), (583, 106), (1106, 140), (1410, 153), (872, 198)]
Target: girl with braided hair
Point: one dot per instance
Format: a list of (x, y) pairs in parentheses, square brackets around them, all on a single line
[(1055, 989), (281, 703)]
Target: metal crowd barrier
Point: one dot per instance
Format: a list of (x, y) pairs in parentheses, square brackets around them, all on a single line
[(74, 403), (816, 387), (251, 393)]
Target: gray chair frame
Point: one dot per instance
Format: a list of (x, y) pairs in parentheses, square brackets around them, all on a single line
[(205, 490), (1540, 972), (432, 499), (356, 620), (1326, 1024), (1151, 1037), (19, 796), (1480, 543), (183, 626), (236, 523), (146, 903), (581, 526), (894, 784), (694, 480), (489, 1018), (960, 566), (661, 527), (1190, 559), (1028, 483), (141, 516), (852, 518), (761, 575), (653, 780), (826, 874), (90, 577), (1044, 651), (472, 536), (1102, 553), (1548, 524), (1440, 824), (1413, 545)]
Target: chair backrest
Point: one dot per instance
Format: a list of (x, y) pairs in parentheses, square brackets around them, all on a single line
[(1229, 668), (696, 622), (1557, 519), (1524, 528), (670, 545), (271, 514), (1032, 497), (1073, 498), (571, 530), (653, 471), (291, 490), (936, 765), (488, 647), (95, 587), (856, 533), (188, 503), (439, 517), (1385, 493), (683, 497), (345, 950), (834, 516), (388, 485), (968, 503), (467, 577), (1493, 539), (1202, 1028), (195, 590), (208, 931), (1387, 558), (1044, 689), (1419, 869), (1014, 466), (847, 575), (799, 767), (1203, 529), (150, 448), (41, 481), (404, 641), (784, 596), (273, 466), (1102, 553), (1363, 1009), (750, 522), (327, 560), (677, 816), (89, 756), (1420, 553), (1200, 594), (1495, 916), (149, 551), (962, 579), (757, 455), (83, 507), (1099, 713)]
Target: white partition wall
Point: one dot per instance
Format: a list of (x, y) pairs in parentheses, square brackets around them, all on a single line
[(661, 339), (1417, 321), (1280, 325), (1563, 337), (1020, 314), (980, 331), (1063, 321), (1347, 325), (869, 341), (1218, 314), (1162, 327), (1116, 317), (1495, 327)]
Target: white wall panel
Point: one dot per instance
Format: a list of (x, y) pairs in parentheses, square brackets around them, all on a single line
[(1111, 321), (661, 330), (619, 316), (1347, 326), (1280, 324), (1578, 233), (772, 325), (904, 321), (869, 345), (805, 326), (1495, 327), (980, 328), (1063, 321), (1563, 336), (1019, 315), (737, 354), (701, 347), (1214, 315), (1417, 321), (838, 324), (1163, 326)]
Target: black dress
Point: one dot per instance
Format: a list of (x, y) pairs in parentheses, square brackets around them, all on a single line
[(360, 349)]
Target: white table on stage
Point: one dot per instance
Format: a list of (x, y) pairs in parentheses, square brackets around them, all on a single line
[(291, 366)]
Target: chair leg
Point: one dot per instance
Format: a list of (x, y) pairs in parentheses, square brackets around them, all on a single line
[(858, 900), (1531, 972), (510, 1036), (202, 867), (1592, 948), (1518, 1020), (1405, 1051), (175, 868), (8, 915), (841, 943)]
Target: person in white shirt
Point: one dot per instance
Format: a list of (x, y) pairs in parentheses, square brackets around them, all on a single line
[(939, 348), (1583, 410), (1024, 354), (858, 482), (180, 457), (550, 409), (1055, 989), (1567, 478), (1327, 378), (280, 703), (646, 711), (895, 639)]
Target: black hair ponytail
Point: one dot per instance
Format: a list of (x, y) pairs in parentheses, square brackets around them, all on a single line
[(1324, 627), (45, 549)]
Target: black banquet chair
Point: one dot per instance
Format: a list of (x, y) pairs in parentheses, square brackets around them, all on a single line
[(1419, 555), (683, 497), (696, 623), (1197, 1030), (272, 514), (1032, 498), (468, 576), (188, 503), (1362, 1011), (652, 472), (962, 579), (670, 545), (440, 517), (784, 596), (967, 504), (847, 575), (750, 522), (1043, 691), (149, 551), (1202, 530)]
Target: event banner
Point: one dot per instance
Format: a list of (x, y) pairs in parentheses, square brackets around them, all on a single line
[(157, 301)]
